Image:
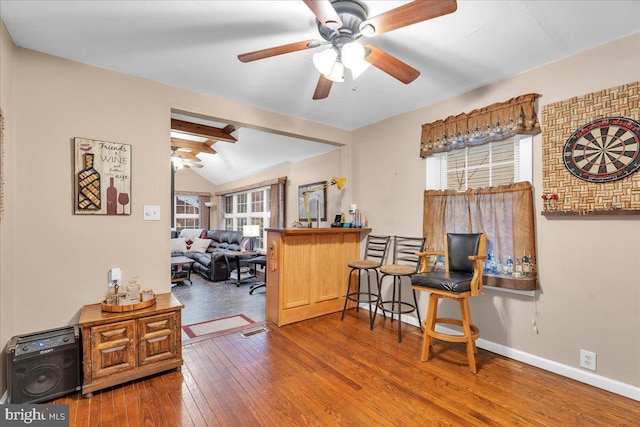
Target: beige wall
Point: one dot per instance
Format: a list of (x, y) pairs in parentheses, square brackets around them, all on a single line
[(315, 169), (589, 273), (53, 262), (189, 180), (7, 232)]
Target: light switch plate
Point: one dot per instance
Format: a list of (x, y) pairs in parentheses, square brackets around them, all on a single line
[(151, 213)]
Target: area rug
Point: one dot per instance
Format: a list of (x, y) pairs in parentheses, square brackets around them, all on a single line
[(216, 325)]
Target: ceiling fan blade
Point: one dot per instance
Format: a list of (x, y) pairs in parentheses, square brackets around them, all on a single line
[(409, 14), (193, 165), (325, 13), (391, 65), (322, 88), (278, 50)]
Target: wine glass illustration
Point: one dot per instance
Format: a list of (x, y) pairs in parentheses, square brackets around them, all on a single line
[(123, 199)]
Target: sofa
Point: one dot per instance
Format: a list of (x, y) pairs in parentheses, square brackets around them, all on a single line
[(207, 248)]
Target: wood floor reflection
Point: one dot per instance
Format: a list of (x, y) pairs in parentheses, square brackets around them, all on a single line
[(325, 372)]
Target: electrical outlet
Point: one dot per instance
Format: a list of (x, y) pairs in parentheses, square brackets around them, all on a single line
[(587, 359)]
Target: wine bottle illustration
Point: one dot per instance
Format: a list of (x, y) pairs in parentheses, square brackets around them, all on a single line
[(112, 198), (89, 186)]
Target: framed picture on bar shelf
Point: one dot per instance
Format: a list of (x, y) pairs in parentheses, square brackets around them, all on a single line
[(316, 195), (102, 177)]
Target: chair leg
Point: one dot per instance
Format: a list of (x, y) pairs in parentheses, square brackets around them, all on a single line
[(369, 298), (346, 299), (466, 326), (415, 301), (429, 325), (399, 306), (393, 296), (358, 292)]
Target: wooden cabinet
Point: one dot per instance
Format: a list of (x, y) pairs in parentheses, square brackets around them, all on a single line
[(120, 347), (307, 271)]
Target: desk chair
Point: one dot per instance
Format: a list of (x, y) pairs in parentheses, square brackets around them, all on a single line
[(261, 260), (405, 264), (462, 278), (374, 255)]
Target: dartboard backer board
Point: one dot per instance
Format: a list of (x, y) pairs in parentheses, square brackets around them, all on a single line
[(604, 150), (590, 153)]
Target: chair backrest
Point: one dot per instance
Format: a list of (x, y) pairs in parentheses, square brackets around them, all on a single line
[(376, 247), (405, 248), (458, 248)]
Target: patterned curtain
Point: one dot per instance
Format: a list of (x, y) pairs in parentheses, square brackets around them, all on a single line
[(495, 122), (504, 214)]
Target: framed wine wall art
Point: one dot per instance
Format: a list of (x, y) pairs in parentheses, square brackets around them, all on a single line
[(102, 177)]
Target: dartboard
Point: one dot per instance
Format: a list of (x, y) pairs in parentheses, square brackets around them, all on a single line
[(604, 150)]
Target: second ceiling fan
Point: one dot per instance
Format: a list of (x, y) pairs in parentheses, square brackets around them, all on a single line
[(341, 23)]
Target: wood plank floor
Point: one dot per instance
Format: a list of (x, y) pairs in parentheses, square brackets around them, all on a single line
[(324, 372)]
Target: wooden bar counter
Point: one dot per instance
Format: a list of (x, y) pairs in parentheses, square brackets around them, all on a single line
[(307, 271)]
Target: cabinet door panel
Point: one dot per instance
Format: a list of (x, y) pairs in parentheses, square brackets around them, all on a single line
[(330, 267), (112, 348), (157, 338), (297, 263)]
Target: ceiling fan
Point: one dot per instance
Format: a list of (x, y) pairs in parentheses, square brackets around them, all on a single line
[(341, 23), (180, 159)]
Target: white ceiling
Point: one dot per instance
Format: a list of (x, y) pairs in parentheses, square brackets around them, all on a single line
[(194, 45)]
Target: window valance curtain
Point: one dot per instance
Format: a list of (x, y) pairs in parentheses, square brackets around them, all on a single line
[(492, 123), (504, 214)]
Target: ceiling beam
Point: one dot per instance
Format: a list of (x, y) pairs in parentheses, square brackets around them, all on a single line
[(202, 130), (193, 146)]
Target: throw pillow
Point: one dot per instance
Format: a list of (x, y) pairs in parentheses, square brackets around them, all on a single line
[(200, 245), (178, 245), (190, 233)]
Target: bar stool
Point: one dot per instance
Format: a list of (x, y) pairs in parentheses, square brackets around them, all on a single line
[(405, 264), (375, 252)]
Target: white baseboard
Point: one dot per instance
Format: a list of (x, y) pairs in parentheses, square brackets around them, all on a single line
[(604, 383), (4, 397)]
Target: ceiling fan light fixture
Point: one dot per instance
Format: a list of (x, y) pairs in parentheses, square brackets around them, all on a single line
[(177, 163), (352, 54), (359, 68), (324, 61), (337, 73)]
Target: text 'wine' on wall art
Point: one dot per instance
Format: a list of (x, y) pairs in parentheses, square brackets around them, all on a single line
[(102, 177)]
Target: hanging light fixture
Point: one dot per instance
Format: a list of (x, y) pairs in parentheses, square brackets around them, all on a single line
[(353, 58), (337, 72), (325, 60), (331, 64)]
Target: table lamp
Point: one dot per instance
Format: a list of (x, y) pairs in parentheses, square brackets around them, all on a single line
[(251, 231), (339, 182)]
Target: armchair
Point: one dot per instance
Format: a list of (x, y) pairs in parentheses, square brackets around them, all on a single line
[(462, 278)]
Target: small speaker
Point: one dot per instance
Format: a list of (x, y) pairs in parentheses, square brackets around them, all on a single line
[(43, 366)]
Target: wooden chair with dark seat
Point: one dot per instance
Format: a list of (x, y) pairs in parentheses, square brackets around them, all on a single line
[(461, 279), (374, 255)]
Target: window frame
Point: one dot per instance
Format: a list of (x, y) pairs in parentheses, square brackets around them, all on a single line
[(178, 216), (435, 175), (242, 211)]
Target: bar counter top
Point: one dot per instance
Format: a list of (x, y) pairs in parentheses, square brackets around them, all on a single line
[(327, 230)]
